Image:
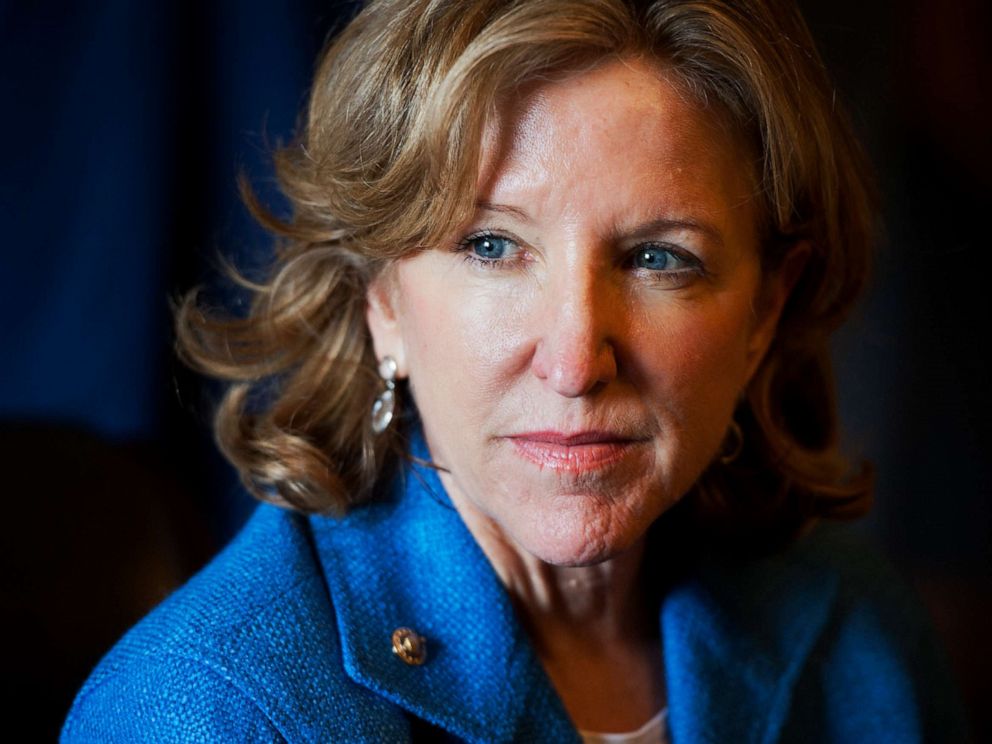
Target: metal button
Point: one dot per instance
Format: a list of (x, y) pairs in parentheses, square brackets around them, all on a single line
[(410, 646)]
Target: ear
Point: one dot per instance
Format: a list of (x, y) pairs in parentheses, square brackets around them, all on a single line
[(775, 291), (381, 300)]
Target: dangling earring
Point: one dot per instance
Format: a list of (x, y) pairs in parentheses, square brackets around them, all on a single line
[(385, 402), (732, 444)]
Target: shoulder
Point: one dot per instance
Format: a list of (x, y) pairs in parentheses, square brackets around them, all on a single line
[(871, 605), (873, 662), (879, 657), (247, 650), (833, 568), (839, 561)]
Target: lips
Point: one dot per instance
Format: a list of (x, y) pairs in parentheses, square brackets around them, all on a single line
[(574, 451)]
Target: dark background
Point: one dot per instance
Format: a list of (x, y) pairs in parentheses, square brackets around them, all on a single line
[(124, 127)]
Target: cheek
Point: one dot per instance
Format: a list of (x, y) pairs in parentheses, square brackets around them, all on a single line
[(698, 361), (463, 343)]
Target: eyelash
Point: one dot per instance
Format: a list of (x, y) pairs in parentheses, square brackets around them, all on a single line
[(694, 267)]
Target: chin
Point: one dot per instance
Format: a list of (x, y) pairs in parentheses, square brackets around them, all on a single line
[(567, 542)]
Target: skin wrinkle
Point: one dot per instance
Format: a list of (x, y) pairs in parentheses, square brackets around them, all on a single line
[(568, 335)]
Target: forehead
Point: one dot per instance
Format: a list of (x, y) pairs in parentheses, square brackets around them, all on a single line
[(620, 117)]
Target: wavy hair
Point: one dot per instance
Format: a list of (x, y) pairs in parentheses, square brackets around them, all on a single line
[(388, 160)]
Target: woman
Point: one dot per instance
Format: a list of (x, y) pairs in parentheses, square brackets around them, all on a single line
[(594, 250)]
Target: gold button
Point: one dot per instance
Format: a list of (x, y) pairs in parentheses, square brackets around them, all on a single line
[(409, 646)]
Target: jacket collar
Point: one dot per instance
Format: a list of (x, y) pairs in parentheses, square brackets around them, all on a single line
[(735, 636)]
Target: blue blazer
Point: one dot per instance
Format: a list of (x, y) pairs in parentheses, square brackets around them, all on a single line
[(286, 636)]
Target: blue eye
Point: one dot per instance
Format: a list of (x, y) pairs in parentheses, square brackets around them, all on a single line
[(490, 247), (656, 258)]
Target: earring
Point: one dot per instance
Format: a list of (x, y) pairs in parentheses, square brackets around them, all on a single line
[(733, 444), (385, 402)]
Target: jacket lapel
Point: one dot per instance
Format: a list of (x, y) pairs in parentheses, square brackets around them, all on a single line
[(409, 562)]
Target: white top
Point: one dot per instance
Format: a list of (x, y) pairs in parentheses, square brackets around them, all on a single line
[(653, 732)]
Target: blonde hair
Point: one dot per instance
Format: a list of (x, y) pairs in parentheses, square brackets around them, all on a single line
[(389, 160)]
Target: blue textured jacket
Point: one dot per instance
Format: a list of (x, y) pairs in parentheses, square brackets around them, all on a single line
[(286, 635)]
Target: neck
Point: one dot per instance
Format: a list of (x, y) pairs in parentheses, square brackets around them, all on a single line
[(590, 625)]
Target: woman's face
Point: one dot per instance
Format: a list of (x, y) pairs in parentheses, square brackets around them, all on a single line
[(577, 349)]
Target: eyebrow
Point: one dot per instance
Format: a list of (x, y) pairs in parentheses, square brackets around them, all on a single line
[(667, 224), (484, 206)]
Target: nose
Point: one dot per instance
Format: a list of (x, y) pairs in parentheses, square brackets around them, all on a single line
[(575, 351)]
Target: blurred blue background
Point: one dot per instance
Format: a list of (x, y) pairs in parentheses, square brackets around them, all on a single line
[(125, 126)]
